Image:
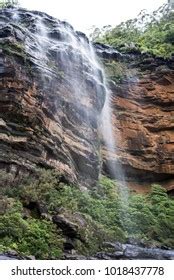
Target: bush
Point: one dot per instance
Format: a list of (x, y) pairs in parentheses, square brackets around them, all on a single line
[(101, 214), (29, 236)]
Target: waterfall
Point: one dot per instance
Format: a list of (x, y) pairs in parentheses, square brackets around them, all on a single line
[(106, 127), (75, 49), (110, 143), (15, 16), (116, 171), (42, 39), (60, 50)]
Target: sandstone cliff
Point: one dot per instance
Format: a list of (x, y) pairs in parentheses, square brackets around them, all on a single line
[(142, 89), (49, 106), (52, 112), (51, 99)]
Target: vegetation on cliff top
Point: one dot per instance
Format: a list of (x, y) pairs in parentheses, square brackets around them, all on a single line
[(147, 33), (28, 207), (8, 3)]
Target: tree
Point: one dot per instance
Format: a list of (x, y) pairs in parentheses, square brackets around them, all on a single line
[(152, 33)]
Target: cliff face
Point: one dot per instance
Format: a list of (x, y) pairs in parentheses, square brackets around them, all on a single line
[(143, 115), (52, 95), (49, 106)]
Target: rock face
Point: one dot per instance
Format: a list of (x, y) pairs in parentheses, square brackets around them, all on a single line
[(143, 115), (49, 105), (52, 94)]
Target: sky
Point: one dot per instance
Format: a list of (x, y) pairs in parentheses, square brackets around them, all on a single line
[(83, 14)]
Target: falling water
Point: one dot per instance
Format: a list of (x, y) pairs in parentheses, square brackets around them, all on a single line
[(73, 49), (15, 16), (77, 50), (116, 171), (42, 40)]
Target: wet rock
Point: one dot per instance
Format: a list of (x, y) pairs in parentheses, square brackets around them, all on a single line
[(32, 258), (74, 257), (68, 228), (55, 34), (81, 34), (117, 246), (107, 52), (6, 31), (117, 254), (13, 255), (137, 252), (68, 245), (45, 94), (10, 255), (7, 257), (102, 256)]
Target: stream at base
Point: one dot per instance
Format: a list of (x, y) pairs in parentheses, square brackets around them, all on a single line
[(119, 252), (135, 252)]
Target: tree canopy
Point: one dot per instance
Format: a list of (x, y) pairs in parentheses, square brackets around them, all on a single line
[(152, 33)]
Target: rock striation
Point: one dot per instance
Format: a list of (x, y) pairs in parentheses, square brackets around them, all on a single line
[(49, 105), (52, 93), (142, 90)]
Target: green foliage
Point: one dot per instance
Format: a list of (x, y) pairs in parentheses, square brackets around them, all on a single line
[(155, 37), (14, 49), (151, 216), (117, 71), (27, 235), (100, 204), (103, 212), (8, 3)]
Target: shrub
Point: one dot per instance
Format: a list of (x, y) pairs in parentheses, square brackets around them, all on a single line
[(27, 235), (103, 212)]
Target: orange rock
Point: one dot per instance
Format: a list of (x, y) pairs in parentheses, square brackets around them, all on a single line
[(143, 120)]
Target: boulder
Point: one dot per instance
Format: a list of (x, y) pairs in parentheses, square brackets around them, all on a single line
[(68, 228)]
